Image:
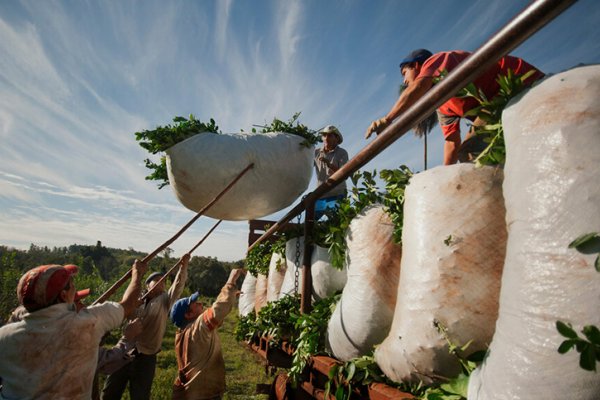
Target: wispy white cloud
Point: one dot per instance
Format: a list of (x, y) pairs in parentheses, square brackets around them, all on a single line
[(222, 27), (78, 78)]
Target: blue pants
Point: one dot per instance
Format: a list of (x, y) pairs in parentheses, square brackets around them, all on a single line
[(325, 203)]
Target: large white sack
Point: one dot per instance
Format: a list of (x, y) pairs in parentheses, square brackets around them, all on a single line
[(326, 280), (247, 295), (294, 251), (260, 299), (552, 194), (363, 316), (277, 268), (454, 242), (202, 166)]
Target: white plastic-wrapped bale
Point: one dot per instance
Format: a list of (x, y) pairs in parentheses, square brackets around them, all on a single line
[(326, 280), (552, 194), (260, 299), (277, 268), (454, 242), (363, 316), (201, 166), (247, 295), (294, 251)]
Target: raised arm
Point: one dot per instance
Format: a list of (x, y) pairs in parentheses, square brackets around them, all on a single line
[(214, 316), (131, 296), (179, 282), (409, 96)]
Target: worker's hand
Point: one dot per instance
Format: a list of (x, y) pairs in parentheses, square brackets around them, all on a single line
[(234, 276), (377, 126), (133, 329), (139, 268), (185, 260)]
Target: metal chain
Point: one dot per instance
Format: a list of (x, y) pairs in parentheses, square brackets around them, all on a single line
[(297, 263)]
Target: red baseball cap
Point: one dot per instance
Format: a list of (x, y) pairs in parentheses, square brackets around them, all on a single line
[(39, 287)]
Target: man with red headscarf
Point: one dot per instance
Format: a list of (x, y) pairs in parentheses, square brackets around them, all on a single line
[(53, 351)]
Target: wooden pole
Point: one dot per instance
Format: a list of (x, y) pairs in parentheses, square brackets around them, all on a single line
[(163, 246), (178, 263)]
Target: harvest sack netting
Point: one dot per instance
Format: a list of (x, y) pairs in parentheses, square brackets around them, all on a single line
[(454, 242), (552, 196), (201, 166), (363, 316)]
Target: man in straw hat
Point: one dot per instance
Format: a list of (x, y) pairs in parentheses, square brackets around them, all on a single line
[(53, 351), (328, 159)]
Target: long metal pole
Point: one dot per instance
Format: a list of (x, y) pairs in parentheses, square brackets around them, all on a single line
[(163, 246), (306, 294), (526, 23), (178, 263)]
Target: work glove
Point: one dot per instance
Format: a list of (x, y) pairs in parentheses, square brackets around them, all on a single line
[(377, 126)]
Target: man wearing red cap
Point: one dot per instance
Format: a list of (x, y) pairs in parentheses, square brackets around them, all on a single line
[(200, 361), (154, 315), (421, 68), (53, 351)]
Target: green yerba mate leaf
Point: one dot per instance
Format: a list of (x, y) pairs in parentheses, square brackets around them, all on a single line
[(566, 330)]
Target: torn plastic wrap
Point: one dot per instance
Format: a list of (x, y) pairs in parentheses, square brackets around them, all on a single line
[(454, 242), (552, 194)]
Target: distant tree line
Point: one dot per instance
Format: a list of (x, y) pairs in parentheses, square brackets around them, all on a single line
[(100, 267)]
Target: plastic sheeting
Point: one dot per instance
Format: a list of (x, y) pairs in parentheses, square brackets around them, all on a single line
[(294, 251), (363, 316), (454, 242), (202, 166), (277, 268), (326, 280), (260, 299), (247, 295), (552, 192)]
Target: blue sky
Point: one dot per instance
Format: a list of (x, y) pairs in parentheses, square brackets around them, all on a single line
[(78, 78)]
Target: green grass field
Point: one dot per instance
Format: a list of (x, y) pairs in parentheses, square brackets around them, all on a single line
[(244, 369)]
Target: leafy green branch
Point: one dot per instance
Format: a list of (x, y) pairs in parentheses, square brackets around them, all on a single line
[(489, 112), (587, 346), (164, 137), (294, 127), (588, 243), (310, 334), (332, 232), (259, 258)]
